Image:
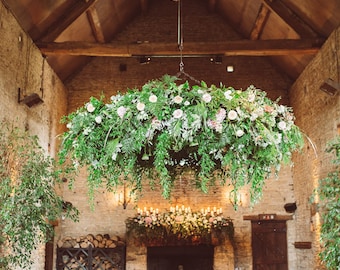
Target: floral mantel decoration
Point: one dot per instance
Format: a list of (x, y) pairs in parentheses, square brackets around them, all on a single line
[(234, 136), (179, 226)]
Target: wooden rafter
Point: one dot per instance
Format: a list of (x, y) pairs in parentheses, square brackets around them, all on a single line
[(93, 18), (260, 22), (291, 18), (212, 5), (230, 48), (62, 23), (144, 5)]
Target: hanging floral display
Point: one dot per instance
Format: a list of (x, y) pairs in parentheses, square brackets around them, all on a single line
[(234, 136)]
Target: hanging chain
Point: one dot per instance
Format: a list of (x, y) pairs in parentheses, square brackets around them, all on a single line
[(180, 43)]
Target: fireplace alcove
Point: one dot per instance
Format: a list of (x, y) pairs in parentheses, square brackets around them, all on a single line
[(183, 257), (199, 257)]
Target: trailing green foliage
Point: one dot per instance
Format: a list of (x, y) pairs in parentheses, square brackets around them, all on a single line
[(28, 200), (166, 127), (328, 191)]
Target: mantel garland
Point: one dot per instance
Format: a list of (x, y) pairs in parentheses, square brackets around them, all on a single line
[(179, 226), (240, 135)]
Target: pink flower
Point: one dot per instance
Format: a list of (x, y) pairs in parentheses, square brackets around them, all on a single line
[(148, 220), (90, 107), (121, 111), (221, 114), (178, 99), (177, 113), (153, 98)]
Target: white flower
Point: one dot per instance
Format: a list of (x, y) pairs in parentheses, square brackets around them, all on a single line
[(232, 115), (153, 98), (251, 97), (121, 111), (98, 119), (282, 125), (253, 116), (69, 125), (206, 97), (90, 107), (140, 106), (239, 133), (177, 113), (186, 103), (227, 95), (178, 99)]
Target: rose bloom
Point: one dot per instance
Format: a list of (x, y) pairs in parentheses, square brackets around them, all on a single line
[(121, 111), (282, 125), (178, 99), (206, 97), (268, 109), (239, 133), (227, 95), (220, 115), (232, 115), (90, 107), (98, 119), (140, 106), (177, 113), (153, 98)]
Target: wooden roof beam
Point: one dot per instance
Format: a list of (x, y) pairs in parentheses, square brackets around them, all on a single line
[(93, 18), (260, 22), (65, 21), (291, 18), (229, 48)]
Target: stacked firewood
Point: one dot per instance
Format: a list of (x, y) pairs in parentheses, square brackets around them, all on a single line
[(96, 241)]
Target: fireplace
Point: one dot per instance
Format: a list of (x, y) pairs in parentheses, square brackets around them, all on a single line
[(199, 257)]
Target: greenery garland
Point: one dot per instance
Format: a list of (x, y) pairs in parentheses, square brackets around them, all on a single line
[(166, 126), (329, 205), (28, 200)]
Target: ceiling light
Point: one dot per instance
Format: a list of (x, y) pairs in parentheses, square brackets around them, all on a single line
[(230, 68), (217, 59)]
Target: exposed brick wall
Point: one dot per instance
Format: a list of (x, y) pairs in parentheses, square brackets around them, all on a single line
[(21, 67), (318, 115)]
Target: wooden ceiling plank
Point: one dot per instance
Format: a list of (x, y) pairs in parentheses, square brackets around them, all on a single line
[(144, 5), (212, 5), (291, 18), (65, 21), (93, 18), (260, 22), (229, 48)]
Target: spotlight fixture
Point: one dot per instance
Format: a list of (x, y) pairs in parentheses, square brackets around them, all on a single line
[(144, 60), (30, 100), (216, 60), (230, 68), (330, 87)]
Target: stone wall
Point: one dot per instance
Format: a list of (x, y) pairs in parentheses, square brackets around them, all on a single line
[(318, 115), (21, 67)]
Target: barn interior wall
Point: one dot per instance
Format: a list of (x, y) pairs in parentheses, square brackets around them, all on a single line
[(318, 115), (21, 66)]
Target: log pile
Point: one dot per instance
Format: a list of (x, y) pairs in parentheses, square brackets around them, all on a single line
[(102, 252), (95, 241)]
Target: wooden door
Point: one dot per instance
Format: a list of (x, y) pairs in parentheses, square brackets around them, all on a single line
[(269, 245)]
